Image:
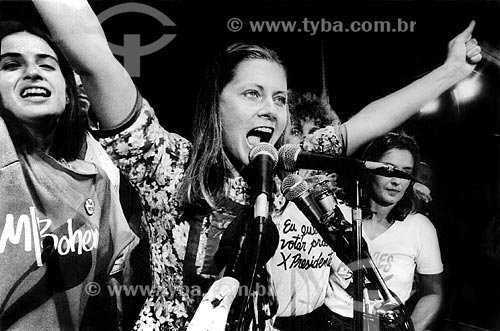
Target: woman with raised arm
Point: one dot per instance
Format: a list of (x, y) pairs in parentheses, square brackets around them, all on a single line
[(62, 228), (194, 189)]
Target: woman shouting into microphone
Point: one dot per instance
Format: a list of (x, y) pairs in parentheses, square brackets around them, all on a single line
[(193, 189)]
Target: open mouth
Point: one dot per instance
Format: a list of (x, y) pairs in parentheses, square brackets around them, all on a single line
[(31, 92), (261, 134)]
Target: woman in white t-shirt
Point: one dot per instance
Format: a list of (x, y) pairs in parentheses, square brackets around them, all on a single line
[(400, 240)]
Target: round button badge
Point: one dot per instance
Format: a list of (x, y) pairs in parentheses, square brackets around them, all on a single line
[(89, 207)]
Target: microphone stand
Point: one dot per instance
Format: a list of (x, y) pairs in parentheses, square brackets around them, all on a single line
[(256, 262), (358, 265), (358, 283), (242, 322), (320, 208), (263, 158), (360, 259)]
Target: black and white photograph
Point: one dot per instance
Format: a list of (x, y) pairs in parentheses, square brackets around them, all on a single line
[(250, 165)]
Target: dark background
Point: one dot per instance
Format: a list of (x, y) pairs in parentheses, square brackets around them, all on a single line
[(460, 142)]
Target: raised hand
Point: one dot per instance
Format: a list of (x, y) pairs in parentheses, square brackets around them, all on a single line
[(464, 53)]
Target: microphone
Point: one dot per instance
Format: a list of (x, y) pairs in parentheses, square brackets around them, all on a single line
[(295, 189), (241, 240), (320, 207), (293, 157), (322, 191), (245, 247), (331, 225), (263, 158)]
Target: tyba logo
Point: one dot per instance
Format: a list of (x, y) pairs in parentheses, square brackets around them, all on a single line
[(132, 50)]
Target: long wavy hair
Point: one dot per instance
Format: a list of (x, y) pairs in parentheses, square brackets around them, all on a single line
[(70, 131), (374, 152), (203, 184)]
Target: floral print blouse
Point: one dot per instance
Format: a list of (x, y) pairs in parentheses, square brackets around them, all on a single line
[(154, 160)]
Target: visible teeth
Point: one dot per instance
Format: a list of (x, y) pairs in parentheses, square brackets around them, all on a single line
[(265, 130), (35, 91), (260, 134)]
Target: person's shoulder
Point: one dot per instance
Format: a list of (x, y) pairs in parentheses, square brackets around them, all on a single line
[(419, 221), (8, 155), (417, 218), (147, 115)]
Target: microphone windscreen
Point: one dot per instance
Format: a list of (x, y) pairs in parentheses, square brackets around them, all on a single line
[(263, 149), (288, 155), (322, 184), (293, 186)]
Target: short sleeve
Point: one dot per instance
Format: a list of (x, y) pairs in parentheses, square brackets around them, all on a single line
[(428, 259)]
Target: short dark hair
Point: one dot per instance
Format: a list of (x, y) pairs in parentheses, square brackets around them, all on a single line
[(313, 107), (70, 132)]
